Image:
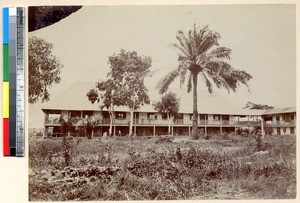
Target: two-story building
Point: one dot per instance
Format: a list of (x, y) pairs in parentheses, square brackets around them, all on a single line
[(282, 121), (215, 114)]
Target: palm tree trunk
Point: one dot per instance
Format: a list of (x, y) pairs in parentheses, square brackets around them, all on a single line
[(131, 122), (195, 108)]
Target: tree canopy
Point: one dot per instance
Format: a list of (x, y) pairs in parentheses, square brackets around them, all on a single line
[(125, 83), (200, 56), (44, 69), (128, 70), (251, 105), (169, 104)]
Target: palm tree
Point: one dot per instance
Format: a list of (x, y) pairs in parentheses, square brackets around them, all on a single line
[(200, 56)]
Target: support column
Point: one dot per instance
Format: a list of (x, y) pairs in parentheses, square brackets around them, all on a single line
[(45, 122), (248, 124), (154, 130), (46, 132), (221, 124), (205, 124), (262, 127), (189, 131)]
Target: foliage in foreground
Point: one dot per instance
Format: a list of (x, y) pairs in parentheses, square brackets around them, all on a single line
[(156, 168)]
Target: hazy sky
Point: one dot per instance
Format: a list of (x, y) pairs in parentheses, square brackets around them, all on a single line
[(262, 39)]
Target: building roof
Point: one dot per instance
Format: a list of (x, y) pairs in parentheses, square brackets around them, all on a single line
[(280, 111), (74, 98)]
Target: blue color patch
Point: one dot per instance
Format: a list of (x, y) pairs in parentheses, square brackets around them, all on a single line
[(5, 25)]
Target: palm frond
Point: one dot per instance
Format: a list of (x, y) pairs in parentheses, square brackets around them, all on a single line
[(207, 83), (242, 77), (209, 40), (182, 58), (220, 53), (182, 73), (225, 76), (186, 43), (164, 83), (182, 49)]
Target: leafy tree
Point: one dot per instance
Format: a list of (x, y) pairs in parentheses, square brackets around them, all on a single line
[(128, 70), (124, 85), (106, 98), (44, 69), (169, 104), (199, 57), (251, 105)]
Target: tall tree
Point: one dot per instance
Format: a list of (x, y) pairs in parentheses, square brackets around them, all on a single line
[(200, 56), (104, 94), (169, 104), (44, 69), (129, 70)]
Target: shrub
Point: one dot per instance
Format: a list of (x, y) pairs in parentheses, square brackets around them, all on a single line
[(148, 169), (164, 139), (258, 139)]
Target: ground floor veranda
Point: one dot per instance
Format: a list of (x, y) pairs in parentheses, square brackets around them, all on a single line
[(150, 130)]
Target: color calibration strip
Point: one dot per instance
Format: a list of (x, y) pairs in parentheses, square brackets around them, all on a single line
[(13, 81)]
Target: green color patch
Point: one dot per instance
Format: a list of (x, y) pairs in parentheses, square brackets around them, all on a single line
[(5, 63)]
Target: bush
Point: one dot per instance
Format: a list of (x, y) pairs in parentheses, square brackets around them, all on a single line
[(158, 169), (164, 139)]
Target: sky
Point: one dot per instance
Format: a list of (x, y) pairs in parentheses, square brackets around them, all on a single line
[(262, 39)]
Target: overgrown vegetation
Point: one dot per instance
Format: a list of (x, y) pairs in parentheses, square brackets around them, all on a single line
[(142, 168)]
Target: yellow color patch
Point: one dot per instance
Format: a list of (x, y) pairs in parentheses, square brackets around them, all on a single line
[(5, 99)]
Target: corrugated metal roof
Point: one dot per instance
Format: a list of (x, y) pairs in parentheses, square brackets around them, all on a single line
[(74, 98), (279, 111)]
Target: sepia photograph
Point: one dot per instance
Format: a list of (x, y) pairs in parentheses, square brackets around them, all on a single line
[(162, 102)]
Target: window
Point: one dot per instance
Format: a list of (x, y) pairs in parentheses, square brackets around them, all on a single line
[(292, 117), (105, 114), (202, 116), (287, 118), (75, 114), (225, 117)]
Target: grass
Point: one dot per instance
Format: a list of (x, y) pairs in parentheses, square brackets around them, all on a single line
[(144, 168)]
